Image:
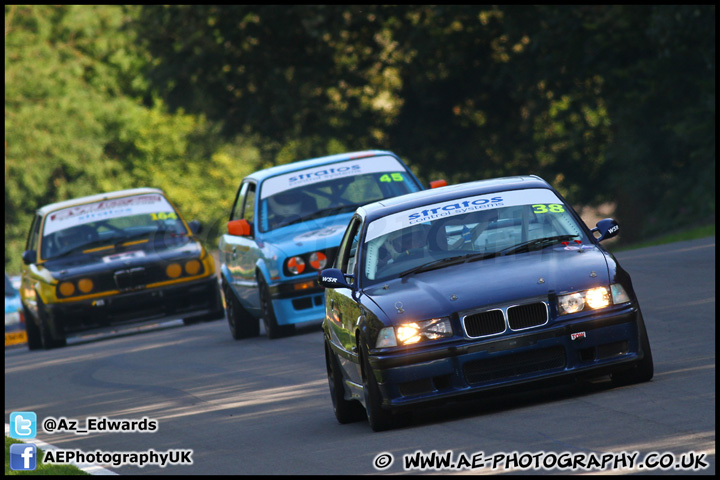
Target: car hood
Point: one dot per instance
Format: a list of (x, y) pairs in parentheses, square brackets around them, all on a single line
[(316, 234), (493, 281), (123, 257)]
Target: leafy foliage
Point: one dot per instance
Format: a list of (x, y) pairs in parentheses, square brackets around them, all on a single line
[(76, 123)]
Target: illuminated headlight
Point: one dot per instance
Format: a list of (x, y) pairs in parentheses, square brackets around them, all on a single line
[(593, 299), (414, 332), (296, 265)]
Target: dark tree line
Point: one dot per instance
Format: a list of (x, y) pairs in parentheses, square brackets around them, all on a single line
[(607, 102)]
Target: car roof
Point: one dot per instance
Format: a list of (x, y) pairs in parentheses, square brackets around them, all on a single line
[(95, 198), (261, 175), (412, 200)]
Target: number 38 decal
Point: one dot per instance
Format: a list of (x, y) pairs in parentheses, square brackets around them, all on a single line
[(551, 207)]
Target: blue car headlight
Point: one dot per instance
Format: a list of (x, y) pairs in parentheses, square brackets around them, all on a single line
[(409, 333)]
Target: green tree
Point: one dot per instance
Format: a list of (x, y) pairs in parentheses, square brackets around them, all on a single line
[(79, 121)]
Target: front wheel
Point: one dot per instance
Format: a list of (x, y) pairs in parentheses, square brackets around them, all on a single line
[(47, 338), (346, 411), (241, 323), (34, 341), (643, 370), (268, 313), (378, 417)]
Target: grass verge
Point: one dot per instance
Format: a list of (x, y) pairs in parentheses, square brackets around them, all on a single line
[(679, 236)]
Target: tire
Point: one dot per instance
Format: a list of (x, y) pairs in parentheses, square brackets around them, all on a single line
[(241, 323), (346, 411), (34, 342), (644, 369), (46, 335), (268, 313), (217, 314), (379, 418)]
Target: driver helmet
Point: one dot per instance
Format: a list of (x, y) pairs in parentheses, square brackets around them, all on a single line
[(285, 205), (65, 238)]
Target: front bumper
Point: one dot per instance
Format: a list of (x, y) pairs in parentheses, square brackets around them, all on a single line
[(187, 300), (298, 301), (601, 345)]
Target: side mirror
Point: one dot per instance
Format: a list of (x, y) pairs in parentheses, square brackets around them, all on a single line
[(195, 227), (438, 183), (239, 228), (334, 278), (607, 228), (29, 256)]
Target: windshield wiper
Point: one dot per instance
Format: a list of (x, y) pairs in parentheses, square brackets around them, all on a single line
[(84, 246), (536, 243), (321, 213), (444, 262), (125, 238)]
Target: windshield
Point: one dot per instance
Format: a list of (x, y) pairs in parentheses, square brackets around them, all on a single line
[(467, 229), (108, 222), (330, 189)]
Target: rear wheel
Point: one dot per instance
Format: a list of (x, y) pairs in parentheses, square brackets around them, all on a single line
[(346, 411), (241, 323), (643, 370), (268, 313)]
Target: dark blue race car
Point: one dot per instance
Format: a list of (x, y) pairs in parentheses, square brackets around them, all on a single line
[(473, 287)]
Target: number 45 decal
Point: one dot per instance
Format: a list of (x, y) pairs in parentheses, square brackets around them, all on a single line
[(551, 207), (393, 177)]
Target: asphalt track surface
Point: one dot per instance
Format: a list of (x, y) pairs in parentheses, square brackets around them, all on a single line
[(262, 406)]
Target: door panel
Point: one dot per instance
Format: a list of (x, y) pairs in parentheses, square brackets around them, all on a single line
[(240, 255)]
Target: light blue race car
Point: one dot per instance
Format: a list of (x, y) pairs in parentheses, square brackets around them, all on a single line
[(286, 225)]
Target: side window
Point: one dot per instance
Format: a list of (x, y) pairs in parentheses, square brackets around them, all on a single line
[(249, 205), (32, 241), (348, 247), (236, 213), (353, 254)]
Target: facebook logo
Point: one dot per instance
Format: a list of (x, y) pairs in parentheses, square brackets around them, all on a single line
[(23, 456), (23, 425)]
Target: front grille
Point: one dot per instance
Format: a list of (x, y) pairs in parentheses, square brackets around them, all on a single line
[(512, 365), (526, 316), (130, 279), (484, 323)]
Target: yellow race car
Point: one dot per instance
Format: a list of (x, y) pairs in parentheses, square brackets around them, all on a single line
[(114, 258)]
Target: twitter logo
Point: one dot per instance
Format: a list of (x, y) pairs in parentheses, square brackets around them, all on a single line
[(23, 425)]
